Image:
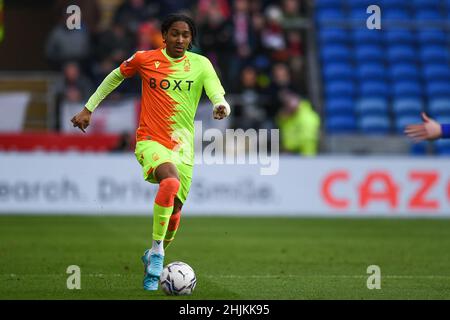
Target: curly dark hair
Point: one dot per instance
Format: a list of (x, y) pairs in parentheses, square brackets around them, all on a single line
[(175, 17)]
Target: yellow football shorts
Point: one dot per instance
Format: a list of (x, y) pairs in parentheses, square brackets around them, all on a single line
[(150, 154)]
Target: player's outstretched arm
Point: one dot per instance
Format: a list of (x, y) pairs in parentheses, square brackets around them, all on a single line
[(111, 82), (428, 130), (215, 92)]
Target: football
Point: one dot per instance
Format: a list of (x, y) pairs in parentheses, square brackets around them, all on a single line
[(178, 278)]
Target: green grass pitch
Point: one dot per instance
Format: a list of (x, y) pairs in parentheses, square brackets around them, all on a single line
[(234, 258)]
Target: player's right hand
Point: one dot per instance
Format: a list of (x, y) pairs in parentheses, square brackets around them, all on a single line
[(82, 119)]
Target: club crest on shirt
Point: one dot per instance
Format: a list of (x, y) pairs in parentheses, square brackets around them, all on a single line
[(187, 65), (157, 63), (129, 59)]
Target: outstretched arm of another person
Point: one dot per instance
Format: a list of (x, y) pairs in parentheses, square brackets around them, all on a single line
[(428, 130), (111, 82)]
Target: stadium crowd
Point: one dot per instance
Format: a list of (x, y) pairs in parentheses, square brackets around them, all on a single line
[(260, 61)]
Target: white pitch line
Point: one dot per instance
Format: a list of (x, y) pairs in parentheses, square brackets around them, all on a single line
[(231, 276), (235, 276)]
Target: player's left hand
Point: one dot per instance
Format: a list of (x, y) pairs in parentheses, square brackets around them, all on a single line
[(220, 112)]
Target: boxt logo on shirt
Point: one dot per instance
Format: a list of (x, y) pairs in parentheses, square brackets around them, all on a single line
[(174, 85)]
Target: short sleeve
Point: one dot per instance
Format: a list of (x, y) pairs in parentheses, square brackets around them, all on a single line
[(129, 67)]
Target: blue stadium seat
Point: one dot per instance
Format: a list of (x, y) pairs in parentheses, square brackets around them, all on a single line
[(339, 106), (340, 124), (373, 89), (438, 89), (392, 4), (442, 147), (401, 121), (371, 71), (428, 15), (396, 69), (333, 36), (358, 4), (426, 4), (396, 15), (407, 106), (327, 4), (367, 36), (442, 118), (439, 107), (407, 89), (433, 36), (372, 106), (404, 71), (338, 71), (335, 53), (399, 37), (369, 53), (435, 54), (339, 89), (433, 72), (419, 149), (374, 124), (359, 17), (401, 53), (330, 16)]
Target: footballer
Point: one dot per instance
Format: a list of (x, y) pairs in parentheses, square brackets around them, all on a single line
[(172, 83)]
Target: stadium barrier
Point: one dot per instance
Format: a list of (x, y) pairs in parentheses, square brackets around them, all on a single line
[(49, 141), (13, 107), (73, 183)]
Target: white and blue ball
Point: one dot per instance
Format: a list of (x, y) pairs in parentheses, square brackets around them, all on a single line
[(178, 278)]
